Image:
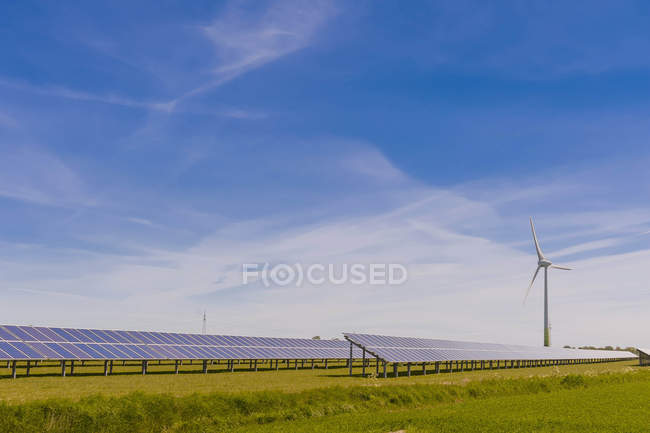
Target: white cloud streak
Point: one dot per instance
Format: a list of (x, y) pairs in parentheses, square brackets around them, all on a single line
[(241, 43), (35, 176)]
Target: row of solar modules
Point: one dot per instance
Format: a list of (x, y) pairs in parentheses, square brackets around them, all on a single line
[(70, 335), (428, 343), (41, 343), (402, 349)]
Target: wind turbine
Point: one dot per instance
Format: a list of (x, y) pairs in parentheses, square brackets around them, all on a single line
[(543, 262)]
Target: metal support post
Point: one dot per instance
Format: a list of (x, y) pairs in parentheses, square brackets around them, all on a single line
[(350, 359)]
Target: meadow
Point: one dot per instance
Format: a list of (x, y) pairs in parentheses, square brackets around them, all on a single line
[(592, 397)]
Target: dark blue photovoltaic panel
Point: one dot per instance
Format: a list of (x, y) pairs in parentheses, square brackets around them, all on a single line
[(155, 337), (186, 353), (146, 337), (44, 351), (232, 352), (5, 355), (91, 337), (187, 339), (164, 338), (174, 337), (60, 350), (152, 351), (157, 353), (233, 341), (103, 350), (203, 339), (195, 354), (85, 337), (129, 350), (204, 354), (118, 337), (72, 348), (6, 336), (212, 353), (177, 354), (24, 348), (64, 336), (12, 351), (221, 353), (141, 352), (117, 350), (22, 335), (36, 335), (48, 332), (104, 336), (127, 337), (85, 347)]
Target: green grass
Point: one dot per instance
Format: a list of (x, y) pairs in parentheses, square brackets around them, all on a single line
[(617, 407), (46, 382), (593, 397)]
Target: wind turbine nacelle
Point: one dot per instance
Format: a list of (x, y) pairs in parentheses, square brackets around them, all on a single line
[(544, 263)]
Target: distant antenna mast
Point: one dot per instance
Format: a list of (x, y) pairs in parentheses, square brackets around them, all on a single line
[(205, 323)]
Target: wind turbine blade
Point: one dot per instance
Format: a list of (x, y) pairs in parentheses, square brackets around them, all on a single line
[(564, 268), (531, 283), (540, 255)]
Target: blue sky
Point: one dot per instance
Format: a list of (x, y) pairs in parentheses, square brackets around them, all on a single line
[(148, 151)]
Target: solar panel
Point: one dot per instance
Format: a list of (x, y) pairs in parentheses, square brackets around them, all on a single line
[(60, 350), (411, 350), (64, 336), (28, 352), (6, 335), (45, 351), (88, 344), (22, 335), (11, 351), (103, 350)]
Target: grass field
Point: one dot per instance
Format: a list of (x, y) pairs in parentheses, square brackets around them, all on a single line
[(592, 397)]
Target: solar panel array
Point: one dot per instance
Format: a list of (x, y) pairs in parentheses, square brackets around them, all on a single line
[(407, 349), (42, 343)]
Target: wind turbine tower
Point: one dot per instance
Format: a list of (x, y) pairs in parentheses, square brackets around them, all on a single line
[(205, 323), (543, 262)]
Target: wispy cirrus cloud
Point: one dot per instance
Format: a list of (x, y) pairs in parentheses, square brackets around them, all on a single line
[(243, 42), (240, 40), (64, 92), (35, 176)]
